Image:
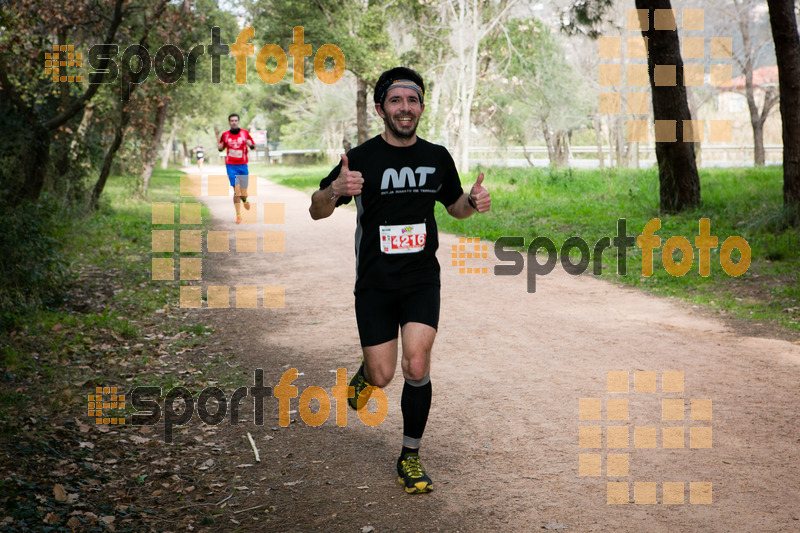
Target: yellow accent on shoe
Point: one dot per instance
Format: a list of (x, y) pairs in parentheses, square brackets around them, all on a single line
[(362, 389), (411, 474)]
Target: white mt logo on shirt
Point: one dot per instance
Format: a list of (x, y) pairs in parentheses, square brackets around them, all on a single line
[(406, 175)]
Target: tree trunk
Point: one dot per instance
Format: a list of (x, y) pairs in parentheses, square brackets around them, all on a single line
[(167, 148), (77, 140), (619, 142), (109, 157), (526, 154), (361, 112), (548, 140), (677, 170), (434, 102), (562, 148), (758, 141), (152, 152), (73, 153), (787, 53), (34, 165), (599, 139), (694, 109)]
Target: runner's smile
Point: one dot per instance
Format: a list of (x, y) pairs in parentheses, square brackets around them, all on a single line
[(406, 121)]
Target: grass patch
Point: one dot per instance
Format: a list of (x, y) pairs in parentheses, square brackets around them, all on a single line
[(305, 178), (561, 203)]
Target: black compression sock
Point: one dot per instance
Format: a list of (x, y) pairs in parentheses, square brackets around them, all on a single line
[(406, 451), (415, 404)]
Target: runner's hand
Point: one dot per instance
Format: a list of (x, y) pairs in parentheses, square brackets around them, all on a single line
[(349, 182), (481, 197)]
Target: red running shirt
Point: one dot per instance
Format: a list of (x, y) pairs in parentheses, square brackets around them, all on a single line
[(237, 146)]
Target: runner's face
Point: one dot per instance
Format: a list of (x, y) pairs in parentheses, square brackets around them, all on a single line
[(234, 122), (400, 112)]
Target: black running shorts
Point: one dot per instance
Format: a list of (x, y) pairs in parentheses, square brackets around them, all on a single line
[(379, 313)]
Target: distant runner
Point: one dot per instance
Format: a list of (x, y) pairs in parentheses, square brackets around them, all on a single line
[(237, 141), (396, 178), (200, 154)]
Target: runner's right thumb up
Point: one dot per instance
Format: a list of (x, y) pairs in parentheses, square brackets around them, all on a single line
[(344, 163)]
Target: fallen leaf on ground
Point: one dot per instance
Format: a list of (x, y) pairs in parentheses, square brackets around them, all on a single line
[(59, 492)]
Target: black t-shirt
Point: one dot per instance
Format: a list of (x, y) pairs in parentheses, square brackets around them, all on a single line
[(401, 187)]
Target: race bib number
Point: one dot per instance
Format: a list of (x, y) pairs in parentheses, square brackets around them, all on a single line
[(403, 239), (235, 153)]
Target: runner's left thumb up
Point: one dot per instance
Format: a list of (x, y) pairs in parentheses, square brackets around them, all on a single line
[(344, 163), (479, 181)]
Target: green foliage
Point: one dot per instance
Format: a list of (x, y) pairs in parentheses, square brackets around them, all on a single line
[(585, 17), (358, 28), (32, 258), (321, 115), (530, 94)]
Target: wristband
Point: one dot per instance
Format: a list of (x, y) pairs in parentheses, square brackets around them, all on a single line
[(471, 202), (334, 196)]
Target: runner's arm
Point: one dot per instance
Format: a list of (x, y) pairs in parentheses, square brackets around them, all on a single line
[(322, 205), (477, 201), (461, 208), (347, 184)]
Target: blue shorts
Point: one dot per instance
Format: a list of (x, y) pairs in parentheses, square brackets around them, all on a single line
[(238, 175)]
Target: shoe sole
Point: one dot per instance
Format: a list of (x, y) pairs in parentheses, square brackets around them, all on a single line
[(416, 489), (361, 397)]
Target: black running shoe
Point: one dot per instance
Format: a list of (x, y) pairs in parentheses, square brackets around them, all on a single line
[(359, 383), (411, 474)]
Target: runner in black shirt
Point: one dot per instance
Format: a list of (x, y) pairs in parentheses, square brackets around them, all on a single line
[(200, 154), (396, 179)]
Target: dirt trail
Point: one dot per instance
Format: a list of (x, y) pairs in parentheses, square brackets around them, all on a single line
[(509, 369)]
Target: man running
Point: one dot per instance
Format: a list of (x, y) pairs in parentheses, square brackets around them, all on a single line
[(396, 179), (237, 141)]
